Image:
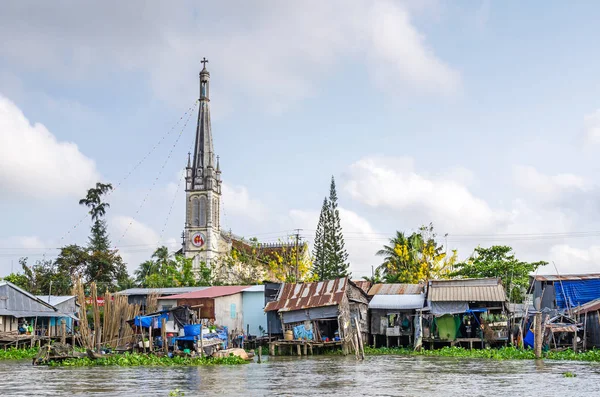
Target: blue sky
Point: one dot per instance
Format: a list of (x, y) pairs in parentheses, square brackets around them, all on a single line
[(481, 117)]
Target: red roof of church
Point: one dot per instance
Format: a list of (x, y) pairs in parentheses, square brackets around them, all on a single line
[(210, 292)]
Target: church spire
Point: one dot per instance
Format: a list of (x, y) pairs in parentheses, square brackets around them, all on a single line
[(203, 159)]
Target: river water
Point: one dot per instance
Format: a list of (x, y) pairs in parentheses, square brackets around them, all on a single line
[(318, 375)]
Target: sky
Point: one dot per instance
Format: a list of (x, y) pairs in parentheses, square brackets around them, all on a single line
[(480, 117)]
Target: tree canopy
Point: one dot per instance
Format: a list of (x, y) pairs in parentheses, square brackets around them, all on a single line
[(499, 261), (415, 258)]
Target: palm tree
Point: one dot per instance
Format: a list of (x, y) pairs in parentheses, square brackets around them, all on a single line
[(402, 254), (145, 269), (93, 200)]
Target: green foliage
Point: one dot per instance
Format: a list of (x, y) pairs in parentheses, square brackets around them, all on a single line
[(330, 256), (415, 258), (499, 261), (135, 360), (12, 353), (569, 374), (41, 277), (176, 393), (18, 279), (166, 271)]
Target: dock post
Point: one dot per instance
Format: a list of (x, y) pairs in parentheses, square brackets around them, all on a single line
[(310, 347), (163, 334), (298, 350), (538, 338), (63, 331), (271, 348), (305, 349), (259, 354)]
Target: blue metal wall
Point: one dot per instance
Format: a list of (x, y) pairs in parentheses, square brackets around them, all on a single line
[(253, 314)]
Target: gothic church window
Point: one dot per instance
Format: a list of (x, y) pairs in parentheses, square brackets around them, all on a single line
[(202, 211), (195, 214)]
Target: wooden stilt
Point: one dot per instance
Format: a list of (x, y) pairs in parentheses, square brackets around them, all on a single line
[(305, 349), (298, 350)]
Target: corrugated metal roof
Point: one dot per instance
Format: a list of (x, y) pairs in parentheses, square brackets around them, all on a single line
[(396, 289), (400, 302), (363, 284), (55, 299), (255, 288), (160, 291), (306, 295), (591, 306), (19, 300), (210, 292), (566, 277), (466, 290)]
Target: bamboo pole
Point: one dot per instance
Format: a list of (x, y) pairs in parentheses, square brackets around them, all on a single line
[(163, 333), (538, 335), (63, 331)]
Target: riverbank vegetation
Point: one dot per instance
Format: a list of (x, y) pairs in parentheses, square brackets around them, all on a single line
[(136, 360), (12, 353), (503, 353)]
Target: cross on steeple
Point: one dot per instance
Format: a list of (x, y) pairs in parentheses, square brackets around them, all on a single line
[(204, 61)]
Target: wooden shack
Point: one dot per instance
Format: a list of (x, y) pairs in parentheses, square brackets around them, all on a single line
[(324, 311), (222, 304), (466, 311), (392, 311)]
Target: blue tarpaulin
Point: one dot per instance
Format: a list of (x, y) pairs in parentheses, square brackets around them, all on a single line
[(576, 292), (300, 332), (147, 321)]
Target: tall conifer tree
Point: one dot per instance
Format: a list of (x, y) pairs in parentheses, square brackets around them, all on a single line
[(330, 256), (319, 253)]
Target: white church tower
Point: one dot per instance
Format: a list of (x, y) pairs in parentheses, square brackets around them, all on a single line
[(202, 238)]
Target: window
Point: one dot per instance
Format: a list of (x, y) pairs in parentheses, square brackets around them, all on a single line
[(195, 215), (232, 310), (202, 211)]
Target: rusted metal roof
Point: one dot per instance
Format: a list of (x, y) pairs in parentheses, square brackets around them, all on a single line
[(308, 295), (467, 290), (591, 306), (396, 289), (363, 285), (566, 277), (210, 292)]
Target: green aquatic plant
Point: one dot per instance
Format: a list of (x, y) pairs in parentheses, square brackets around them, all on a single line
[(13, 353), (135, 360), (569, 374), (176, 393)]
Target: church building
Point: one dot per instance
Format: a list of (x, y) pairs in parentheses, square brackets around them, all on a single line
[(203, 238)]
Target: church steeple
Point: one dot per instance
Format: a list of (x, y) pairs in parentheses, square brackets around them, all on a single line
[(199, 174), (202, 234)]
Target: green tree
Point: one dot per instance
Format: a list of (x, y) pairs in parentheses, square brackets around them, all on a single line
[(331, 258), (499, 261), (319, 253), (334, 241), (18, 279), (415, 258), (162, 271), (104, 266)]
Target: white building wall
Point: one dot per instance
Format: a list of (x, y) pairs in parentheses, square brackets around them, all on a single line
[(228, 312)]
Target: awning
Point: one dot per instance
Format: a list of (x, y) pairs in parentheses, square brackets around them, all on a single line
[(397, 302), (441, 308)]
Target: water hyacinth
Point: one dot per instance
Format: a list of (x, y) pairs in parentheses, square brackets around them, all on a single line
[(13, 353), (134, 360)]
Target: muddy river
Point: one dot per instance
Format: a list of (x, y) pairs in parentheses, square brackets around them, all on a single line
[(319, 375)]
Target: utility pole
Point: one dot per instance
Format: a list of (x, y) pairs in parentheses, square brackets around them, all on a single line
[(297, 238)]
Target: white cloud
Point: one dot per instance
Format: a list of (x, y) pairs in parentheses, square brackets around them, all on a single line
[(268, 53), (236, 201), (399, 52), (592, 127), (33, 163), (392, 183), (136, 241), (569, 259), (548, 186)]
